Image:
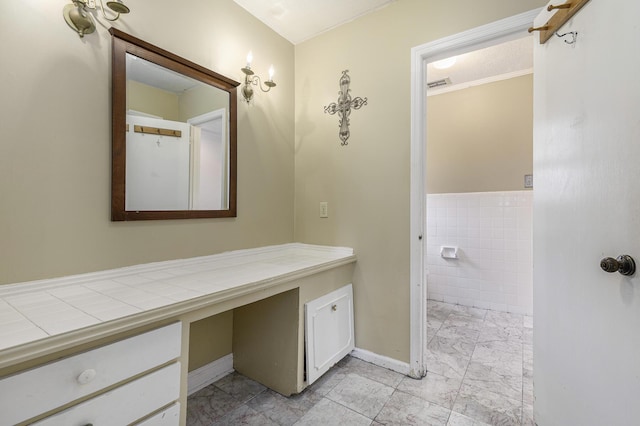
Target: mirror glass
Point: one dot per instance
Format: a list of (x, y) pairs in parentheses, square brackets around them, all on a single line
[(174, 138)]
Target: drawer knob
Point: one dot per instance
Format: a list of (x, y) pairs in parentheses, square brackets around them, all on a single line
[(86, 376), (334, 307)]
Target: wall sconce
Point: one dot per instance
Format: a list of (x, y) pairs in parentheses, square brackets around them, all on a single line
[(79, 19), (250, 78)]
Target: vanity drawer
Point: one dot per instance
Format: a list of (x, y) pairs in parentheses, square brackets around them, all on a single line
[(167, 417), (125, 404), (36, 391)]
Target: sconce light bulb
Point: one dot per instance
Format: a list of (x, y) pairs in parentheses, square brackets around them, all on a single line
[(271, 72), (249, 59)]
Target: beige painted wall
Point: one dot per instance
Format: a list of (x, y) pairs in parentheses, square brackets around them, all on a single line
[(480, 139), (151, 100), (210, 339), (55, 153), (201, 100), (367, 182), (55, 148), (176, 107)]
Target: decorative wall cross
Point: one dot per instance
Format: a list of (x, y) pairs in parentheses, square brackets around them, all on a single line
[(344, 105)]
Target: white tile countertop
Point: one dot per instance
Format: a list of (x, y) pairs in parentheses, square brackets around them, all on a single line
[(45, 309)]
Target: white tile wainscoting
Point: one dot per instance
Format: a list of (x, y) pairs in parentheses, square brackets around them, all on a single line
[(493, 233)]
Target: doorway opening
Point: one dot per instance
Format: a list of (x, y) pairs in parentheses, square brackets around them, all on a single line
[(209, 158), (501, 31), (479, 153), (478, 252)]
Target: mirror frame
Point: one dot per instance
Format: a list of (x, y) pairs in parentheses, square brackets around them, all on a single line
[(122, 44)]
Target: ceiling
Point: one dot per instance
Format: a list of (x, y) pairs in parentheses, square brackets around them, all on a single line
[(498, 62), (151, 74), (300, 20), (293, 20)]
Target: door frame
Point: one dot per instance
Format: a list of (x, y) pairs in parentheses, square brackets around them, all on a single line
[(198, 120), (476, 38)]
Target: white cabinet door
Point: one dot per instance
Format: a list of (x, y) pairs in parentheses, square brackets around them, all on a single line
[(328, 331)]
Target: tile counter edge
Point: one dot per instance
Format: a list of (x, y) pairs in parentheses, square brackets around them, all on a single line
[(55, 343)]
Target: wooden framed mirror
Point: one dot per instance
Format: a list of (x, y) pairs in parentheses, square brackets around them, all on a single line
[(174, 135)]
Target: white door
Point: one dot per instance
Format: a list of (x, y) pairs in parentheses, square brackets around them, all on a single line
[(587, 207), (157, 167)]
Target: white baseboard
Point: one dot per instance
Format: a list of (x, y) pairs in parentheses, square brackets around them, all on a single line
[(209, 373), (382, 361)]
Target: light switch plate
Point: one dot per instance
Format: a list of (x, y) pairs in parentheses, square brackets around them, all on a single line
[(528, 181), (324, 209)]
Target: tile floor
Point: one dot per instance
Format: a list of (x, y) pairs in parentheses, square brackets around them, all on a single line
[(480, 366)]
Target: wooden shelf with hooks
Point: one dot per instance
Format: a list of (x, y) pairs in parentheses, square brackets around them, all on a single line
[(157, 131), (564, 13)]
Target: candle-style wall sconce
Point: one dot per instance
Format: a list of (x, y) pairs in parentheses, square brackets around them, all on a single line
[(344, 105), (251, 79)]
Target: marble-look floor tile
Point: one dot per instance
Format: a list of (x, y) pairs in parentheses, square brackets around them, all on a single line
[(527, 321), (493, 332), (527, 353), (282, 410), (370, 371), (494, 379), (457, 419), (405, 409), (431, 332), (328, 380), (505, 356), (438, 310), (327, 412), (239, 386), (244, 415), (361, 395), (527, 415), (433, 325), (462, 320), (505, 319), (469, 311), (209, 404), (448, 357), (477, 378), (527, 386), (433, 388), (459, 332), (488, 407), (435, 322)]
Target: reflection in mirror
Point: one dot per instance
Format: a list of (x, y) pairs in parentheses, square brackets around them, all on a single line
[(174, 136), (184, 167)]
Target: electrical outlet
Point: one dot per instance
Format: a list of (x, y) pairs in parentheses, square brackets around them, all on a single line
[(324, 209)]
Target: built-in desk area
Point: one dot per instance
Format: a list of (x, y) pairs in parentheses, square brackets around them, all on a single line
[(78, 346)]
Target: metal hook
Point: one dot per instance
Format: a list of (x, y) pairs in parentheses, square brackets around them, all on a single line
[(574, 35), (560, 6), (542, 28)]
